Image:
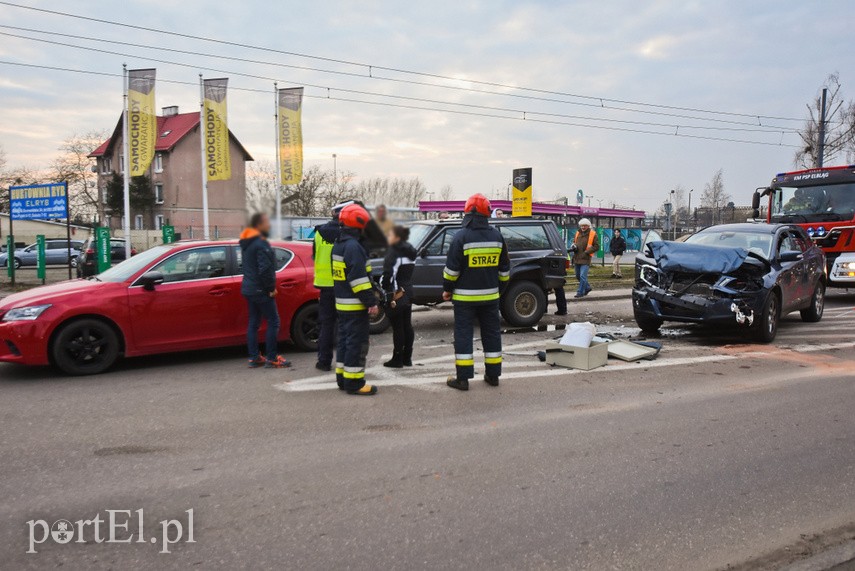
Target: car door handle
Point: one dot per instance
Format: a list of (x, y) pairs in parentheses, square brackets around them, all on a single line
[(288, 283), (218, 291)]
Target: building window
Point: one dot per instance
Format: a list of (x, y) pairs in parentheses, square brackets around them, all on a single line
[(158, 193), (106, 165), (158, 162), (138, 222), (158, 222)]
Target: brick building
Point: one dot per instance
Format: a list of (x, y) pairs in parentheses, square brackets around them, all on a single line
[(176, 177)]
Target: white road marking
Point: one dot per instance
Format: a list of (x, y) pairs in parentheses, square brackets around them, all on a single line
[(383, 376)]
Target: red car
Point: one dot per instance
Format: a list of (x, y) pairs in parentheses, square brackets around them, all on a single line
[(175, 297)]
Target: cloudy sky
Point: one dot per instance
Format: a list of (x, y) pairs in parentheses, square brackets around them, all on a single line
[(765, 58)]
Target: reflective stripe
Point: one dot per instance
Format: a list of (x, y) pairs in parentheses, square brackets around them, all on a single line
[(506, 274), (483, 251), (464, 362), (462, 356), (477, 291), (445, 270), (348, 304), (495, 354), (357, 281), (354, 369), (337, 258), (359, 375), (486, 297), (472, 245), (339, 371), (368, 268), (362, 287), (504, 278), (450, 277), (492, 360)]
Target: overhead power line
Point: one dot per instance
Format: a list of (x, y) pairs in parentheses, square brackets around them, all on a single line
[(524, 113), (422, 108), (370, 68)]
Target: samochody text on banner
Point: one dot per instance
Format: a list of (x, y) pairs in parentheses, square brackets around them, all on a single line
[(142, 120), (291, 135), (217, 160)]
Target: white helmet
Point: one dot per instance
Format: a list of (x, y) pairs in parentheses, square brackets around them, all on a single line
[(584, 222)]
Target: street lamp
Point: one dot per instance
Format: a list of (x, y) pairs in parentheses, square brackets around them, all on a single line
[(674, 212), (690, 209), (590, 196)]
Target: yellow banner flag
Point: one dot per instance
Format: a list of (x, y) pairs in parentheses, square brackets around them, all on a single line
[(217, 160), (142, 120), (291, 135), (522, 197)]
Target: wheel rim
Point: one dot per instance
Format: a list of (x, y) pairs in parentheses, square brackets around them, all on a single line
[(311, 331), (525, 304), (772, 319), (381, 314), (86, 346), (819, 300), (73, 262), (17, 263)]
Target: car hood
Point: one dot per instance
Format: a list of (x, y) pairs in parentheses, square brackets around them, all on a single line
[(50, 293), (696, 258)]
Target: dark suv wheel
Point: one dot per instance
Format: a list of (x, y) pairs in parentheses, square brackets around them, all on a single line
[(523, 303)]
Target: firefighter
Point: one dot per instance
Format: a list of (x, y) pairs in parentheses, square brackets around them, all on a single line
[(355, 301), (325, 236), (476, 272)]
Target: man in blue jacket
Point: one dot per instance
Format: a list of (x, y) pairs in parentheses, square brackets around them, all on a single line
[(259, 289)]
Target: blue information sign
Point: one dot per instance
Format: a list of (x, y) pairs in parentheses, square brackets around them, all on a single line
[(39, 201)]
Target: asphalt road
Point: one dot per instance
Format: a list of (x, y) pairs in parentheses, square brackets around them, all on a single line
[(719, 453)]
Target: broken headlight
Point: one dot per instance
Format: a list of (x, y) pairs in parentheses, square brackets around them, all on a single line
[(649, 275)]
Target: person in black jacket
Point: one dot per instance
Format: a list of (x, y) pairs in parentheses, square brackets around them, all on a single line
[(397, 281), (617, 248), (259, 289)]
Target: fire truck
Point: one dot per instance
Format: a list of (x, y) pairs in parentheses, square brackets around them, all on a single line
[(822, 201)]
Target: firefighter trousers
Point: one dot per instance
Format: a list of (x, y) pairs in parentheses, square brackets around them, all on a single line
[(353, 331), (487, 315)]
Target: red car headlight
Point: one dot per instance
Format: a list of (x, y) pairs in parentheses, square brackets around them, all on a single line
[(28, 313)]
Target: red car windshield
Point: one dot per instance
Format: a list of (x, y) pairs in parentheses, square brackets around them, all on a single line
[(125, 270), (829, 203)]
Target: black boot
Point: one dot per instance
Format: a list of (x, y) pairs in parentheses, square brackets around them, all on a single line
[(407, 357), (455, 383), (492, 381), (394, 362)]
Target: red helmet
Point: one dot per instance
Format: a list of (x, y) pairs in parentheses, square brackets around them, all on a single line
[(479, 203), (354, 216)]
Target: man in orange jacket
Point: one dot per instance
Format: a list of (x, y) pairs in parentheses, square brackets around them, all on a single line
[(585, 245)]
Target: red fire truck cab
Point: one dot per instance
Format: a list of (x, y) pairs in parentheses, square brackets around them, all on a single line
[(822, 201)]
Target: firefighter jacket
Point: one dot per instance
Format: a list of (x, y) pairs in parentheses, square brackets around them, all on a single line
[(350, 269), (477, 268)]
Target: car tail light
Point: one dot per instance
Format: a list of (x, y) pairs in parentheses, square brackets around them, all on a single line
[(90, 252), (567, 264), (133, 252)]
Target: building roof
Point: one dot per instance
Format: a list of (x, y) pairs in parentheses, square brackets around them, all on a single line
[(170, 131), (537, 208)]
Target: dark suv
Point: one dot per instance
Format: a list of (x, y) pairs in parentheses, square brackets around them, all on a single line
[(88, 263), (538, 264)]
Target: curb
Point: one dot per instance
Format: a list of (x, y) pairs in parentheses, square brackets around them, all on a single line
[(833, 558)]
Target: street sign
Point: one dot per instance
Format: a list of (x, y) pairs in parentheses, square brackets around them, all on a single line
[(10, 257), (39, 201), (168, 234), (522, 197), (601, 238), (40, 257), (580, 196), (103, 250), (667, 209)]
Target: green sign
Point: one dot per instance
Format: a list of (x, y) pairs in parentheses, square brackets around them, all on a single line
[(102, 248), (601, 253), (168, 234), (10, 257), (40, 259)]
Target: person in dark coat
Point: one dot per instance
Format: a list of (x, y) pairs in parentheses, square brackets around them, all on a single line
[(259, 288), (325, 236), (397, 281), (617, 248)]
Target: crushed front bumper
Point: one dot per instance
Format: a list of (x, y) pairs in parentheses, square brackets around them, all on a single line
[(656, 303)]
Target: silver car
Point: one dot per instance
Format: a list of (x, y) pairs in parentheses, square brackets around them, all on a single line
[(57, 252)]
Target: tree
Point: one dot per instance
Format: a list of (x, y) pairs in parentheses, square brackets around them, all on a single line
[(839, 131), (261, 186), (307, 195), (141, 195), (714, 196), (446, 192), (75, 167)]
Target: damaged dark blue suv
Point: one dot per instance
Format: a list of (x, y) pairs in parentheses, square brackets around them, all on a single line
[(748, 275)]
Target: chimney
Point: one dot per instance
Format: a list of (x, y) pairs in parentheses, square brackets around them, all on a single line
[(170, 111)]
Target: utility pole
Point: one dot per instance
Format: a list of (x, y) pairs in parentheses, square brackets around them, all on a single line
[(820, 155), (689, 209)]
